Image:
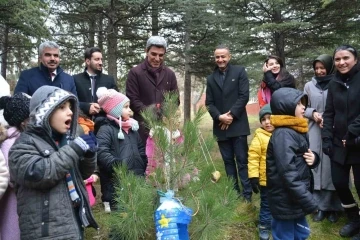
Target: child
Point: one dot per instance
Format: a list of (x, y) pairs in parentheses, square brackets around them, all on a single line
[(16, 114), (48, 170), (257, 169), (288, 166), (86, 126), (119, 142), (175, 136)]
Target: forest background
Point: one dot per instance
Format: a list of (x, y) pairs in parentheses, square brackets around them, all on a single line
[(296, 30)]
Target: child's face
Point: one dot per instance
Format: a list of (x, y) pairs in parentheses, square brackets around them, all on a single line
[(61, 118), (126, 112), (265, 123), (299, 110)]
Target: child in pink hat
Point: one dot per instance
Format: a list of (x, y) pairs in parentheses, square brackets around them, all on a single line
[(119, 142)]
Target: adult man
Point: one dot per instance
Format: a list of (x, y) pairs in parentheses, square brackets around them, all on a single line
[(227, 94), (148, 81), (90, 80), (48, 73)]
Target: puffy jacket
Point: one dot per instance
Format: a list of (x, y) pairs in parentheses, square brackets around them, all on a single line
[(257, 155), (113, 151), (38, 167), (289, 178)]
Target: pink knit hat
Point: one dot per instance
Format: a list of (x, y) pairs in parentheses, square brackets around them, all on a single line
[(112, 102)]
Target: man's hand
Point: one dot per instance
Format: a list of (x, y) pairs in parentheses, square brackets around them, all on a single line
[(226, 118), (94, 108), (309, 157), (223, 126)]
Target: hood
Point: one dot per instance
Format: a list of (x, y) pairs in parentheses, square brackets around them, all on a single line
[(284, 101), (327, 60), (45, 101)]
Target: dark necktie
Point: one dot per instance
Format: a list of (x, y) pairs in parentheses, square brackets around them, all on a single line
[(93, 81), (222, 78)]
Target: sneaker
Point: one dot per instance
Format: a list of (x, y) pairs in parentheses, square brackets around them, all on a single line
[(264, 233), (107, 207)]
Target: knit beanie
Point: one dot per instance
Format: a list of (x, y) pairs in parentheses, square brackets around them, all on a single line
[(112, 102), (45, 101), (264, 110), (16, 108)]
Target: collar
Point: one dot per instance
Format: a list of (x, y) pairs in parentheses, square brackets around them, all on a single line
[(90, 75)]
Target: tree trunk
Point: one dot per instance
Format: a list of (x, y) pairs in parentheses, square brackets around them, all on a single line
[(100, 36), (4, 56), (92, 25), (155, 18), (279, 37), (187, 81), (112, 42)]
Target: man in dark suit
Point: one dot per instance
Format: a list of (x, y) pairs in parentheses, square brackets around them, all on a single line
[(90, 80), (227, 94)]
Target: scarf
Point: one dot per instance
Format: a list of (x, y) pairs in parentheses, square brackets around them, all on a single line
[(61, 140), (124, 125), (347, 76), (154, 72), (298, 124), (323, 82)]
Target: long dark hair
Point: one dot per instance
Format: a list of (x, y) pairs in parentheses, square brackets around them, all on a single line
[(283, 72)]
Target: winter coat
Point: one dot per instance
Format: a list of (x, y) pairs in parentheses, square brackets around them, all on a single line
[(113, 151), (317, 101), (143, 90), (31, 79), (232, 95), (83, 88), (38, 168), (257, 155), (9, 221), (4, 175), (342, 116), (289, 178)]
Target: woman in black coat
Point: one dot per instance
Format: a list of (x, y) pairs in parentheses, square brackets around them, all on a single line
[(275, 77), (341, 132)]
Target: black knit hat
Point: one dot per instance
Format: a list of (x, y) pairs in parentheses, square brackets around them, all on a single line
[(16, 108)]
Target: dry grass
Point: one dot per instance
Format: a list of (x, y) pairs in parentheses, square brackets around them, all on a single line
[(247, 214)]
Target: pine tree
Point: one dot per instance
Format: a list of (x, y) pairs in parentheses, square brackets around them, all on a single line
[(182, 167)]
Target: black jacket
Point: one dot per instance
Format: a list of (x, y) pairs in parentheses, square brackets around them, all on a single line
[(232, 96), (83, 88), (342, 115), (113, 151), (289, 178)]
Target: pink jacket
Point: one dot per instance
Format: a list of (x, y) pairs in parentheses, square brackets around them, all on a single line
[(153, 162), (9, 224)]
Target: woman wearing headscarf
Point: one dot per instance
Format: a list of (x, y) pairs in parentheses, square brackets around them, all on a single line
[(324, 191), (341, 131), (275, 77)]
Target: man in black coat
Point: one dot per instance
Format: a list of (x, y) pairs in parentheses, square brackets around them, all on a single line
[(90, 80), (227, 94)]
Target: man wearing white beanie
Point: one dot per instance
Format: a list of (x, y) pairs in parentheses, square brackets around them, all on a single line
[(148, 81)]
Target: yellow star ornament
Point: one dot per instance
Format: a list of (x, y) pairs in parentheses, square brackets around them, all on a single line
[(164, 222)]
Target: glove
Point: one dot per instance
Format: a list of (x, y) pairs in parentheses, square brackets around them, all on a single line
[(87, 142), (327, 146), (255, 184)]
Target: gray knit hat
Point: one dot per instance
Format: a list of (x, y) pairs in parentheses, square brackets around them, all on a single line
[(45, 100), (156, 41), (264, 110)]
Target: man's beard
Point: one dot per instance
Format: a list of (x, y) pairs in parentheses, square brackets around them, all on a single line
[(96, 71)]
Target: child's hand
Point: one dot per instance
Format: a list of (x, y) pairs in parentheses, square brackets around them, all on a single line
[(95, 177), (309, 157)]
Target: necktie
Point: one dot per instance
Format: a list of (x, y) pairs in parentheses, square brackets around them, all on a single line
[(93, 81), (222, 78)]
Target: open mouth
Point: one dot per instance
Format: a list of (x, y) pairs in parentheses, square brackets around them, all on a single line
[(68, 123)]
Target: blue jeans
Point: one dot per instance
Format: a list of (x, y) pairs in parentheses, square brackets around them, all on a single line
[(265, 216), (236, 147), (297, 229)]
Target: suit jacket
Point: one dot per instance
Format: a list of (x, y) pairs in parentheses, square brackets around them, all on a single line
[(31, 79), (83, 87), (233, 96), (143, 90)]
